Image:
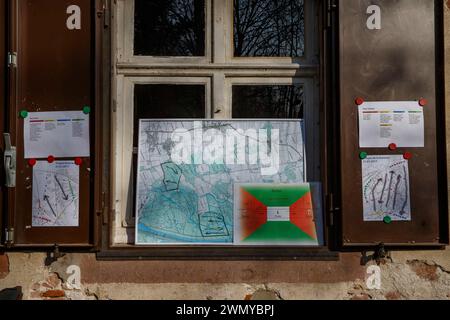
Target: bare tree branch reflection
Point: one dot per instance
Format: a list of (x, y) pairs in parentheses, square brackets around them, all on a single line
[(269, 28), (169, 27), (271, 102)]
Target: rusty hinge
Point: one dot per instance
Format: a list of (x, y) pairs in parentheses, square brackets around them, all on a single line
[(105, 14), (379, 254), (12, 59), (9, 237)]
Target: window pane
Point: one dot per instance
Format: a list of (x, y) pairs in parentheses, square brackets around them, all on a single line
[(270, 102), (169, 28), (269, 28), (162, 101)]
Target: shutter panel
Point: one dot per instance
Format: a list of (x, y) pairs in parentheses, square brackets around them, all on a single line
[(398, 62), (55, 72)]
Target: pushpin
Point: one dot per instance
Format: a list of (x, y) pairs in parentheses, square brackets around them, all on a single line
[(32, 162), (392, 147), (87, 110), (363, 155), (23, 114), (423, 102), (387, 220), (78, 161), (407, 155), (359, 101), (51, 159)]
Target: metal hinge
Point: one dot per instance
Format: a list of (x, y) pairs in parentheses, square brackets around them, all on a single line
[(103, 212), (12, 59), (332, 210), (105, 13), (9, 236), (331, 6)]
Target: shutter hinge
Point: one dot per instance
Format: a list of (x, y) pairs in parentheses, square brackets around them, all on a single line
[(9, 237), (12, 59), (331, 6), (105, 14), (332, 210)]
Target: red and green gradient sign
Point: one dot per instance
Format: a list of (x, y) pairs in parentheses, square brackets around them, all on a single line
[(275, 214)]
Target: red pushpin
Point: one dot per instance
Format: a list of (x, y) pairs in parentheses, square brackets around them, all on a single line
[(423, 102), (78, 161), (359, 101), (32, 162), (392, 147), (51, 159), (407, 155)]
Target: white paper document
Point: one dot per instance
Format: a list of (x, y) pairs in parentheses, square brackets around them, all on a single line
[(59, 134), (385, 188), (384, 123), (56, 194)]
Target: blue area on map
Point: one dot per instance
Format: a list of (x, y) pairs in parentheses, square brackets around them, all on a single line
[(175, 212)]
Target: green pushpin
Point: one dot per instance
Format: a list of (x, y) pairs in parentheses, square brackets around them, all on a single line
[(387, 220), (23, 114), (86, 110), (363, 155)]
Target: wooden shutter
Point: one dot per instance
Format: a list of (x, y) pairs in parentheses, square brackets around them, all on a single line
[(3, 102), (55, 71), (399, 62)]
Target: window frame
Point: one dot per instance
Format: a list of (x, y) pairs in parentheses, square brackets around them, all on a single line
[(309, 56), (123, 122), (125, 45), (311, 115), (221, 70)]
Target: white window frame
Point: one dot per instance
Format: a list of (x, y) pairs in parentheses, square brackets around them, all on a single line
[(218, 71), (125, 40)]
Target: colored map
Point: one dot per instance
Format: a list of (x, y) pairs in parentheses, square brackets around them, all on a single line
[(192, 201), (277, 214)]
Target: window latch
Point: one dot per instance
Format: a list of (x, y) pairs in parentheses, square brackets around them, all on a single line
[(12, 59), (10, 162)]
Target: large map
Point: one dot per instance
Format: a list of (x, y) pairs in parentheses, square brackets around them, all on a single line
[(187, 171)]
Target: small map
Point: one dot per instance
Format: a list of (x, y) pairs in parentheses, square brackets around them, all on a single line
[(278, 214), (55, 194), (185, 190), (386, 191)]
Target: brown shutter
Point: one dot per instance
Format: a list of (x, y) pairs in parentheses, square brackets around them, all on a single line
[(55, 72), (2, 109), (396, 63)]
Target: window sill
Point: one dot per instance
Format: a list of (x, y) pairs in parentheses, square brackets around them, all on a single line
[(217, 253)]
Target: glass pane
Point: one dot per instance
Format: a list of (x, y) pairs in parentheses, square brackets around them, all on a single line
[(269, 28), (162, 101), (268, 102), (169, 28), (165, 101)]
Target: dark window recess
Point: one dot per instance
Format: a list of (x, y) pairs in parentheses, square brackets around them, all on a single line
[(268, 28), (169, 28), (163, 101), (271, 102)]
